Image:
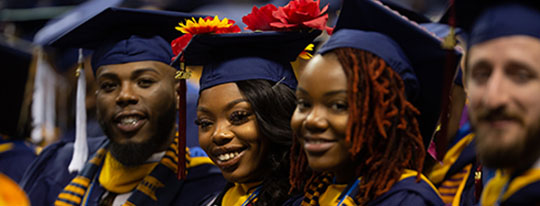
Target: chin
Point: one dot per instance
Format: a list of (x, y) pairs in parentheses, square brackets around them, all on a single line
[(238, 178), (500, 149), (320, 165)]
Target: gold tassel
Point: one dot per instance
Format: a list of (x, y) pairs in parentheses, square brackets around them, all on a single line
[(450, 41)]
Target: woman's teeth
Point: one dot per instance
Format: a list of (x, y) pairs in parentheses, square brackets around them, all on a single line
[(227, 156)]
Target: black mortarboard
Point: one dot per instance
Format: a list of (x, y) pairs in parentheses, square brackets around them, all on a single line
[(120, 35), (484, 20), (408, 12), (243, 56)]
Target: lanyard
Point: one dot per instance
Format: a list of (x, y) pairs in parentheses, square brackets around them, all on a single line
[(252, 196), (351, 188)]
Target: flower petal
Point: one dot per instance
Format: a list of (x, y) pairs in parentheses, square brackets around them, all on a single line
[(317, 23), (180, 43)]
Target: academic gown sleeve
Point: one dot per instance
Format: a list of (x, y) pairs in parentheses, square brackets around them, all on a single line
[(201, 181), (409, 193), (47, 175), (16, 158)]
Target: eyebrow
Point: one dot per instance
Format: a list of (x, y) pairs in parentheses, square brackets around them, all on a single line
[(135, 73), (481, 63), (521, 65), (140, 71), (227, 107), (107, 75), (336, 92), (327, 94), (301, 90)]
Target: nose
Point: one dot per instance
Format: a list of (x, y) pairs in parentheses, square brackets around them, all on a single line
[(222, 135), (316, 121), (496, 93), (126, 96)]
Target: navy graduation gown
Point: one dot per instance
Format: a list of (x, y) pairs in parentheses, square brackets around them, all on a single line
[(15, 157), (47, 176)]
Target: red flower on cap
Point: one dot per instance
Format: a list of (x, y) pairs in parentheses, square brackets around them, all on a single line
[(260, 19), (180, 43), (298, 14), (301, 13)]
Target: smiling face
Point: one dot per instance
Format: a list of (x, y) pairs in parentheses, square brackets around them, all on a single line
[(320, 118), (136, 104), (229, 134), (503, 86)]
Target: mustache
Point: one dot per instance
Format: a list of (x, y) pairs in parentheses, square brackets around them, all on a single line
[(498, 114)]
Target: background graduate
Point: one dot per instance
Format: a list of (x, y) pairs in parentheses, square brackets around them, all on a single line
[(361, 133), (502, 82), (16, 153)]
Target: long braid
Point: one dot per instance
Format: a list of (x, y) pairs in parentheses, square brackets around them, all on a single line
[(382, 127)]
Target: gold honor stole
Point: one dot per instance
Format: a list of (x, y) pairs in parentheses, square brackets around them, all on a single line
[(77, 191)]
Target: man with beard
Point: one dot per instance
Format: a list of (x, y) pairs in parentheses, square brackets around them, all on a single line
[(502, 80), (136, 103)]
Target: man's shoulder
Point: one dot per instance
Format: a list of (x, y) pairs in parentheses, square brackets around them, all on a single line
[(524, 189)]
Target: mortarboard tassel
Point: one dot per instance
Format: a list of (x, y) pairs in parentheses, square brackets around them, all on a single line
[(43, 97), (182, 90), (80, 151), (38, 100)]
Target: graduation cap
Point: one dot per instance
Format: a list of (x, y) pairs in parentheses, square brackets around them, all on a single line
[(145, 35), (117, 35), (16, 60), (485, 20), (413, 52), (408, 12), (243, 56)]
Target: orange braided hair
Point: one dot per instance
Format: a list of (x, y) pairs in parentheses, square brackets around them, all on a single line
[(382, 127)]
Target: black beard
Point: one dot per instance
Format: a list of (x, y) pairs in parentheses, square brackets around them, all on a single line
[(134, 154), (518, 156)]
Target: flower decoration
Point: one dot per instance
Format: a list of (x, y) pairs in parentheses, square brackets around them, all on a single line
[(297, 14), (260, 19), (208, 25)]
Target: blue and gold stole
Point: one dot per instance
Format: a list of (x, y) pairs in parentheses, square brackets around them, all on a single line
[(322, 192), (242, 194), (162, 179), (235, 194), (455, 177), (506, 190)]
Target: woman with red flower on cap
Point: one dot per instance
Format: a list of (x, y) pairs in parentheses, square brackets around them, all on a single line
[(247, 98)]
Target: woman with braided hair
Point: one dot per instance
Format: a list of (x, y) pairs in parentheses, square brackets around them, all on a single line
[(361, 114)]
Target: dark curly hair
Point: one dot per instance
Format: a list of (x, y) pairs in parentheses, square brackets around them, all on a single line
[(273, 106)]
